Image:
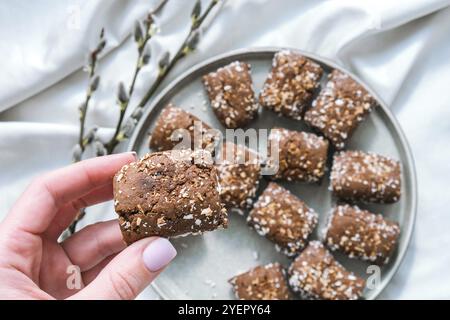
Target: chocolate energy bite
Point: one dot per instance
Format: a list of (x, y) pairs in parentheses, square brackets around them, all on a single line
[(315, 274), (231, 94), (367, 177), (339, 108), (291, 84), (169, 126), (302, 156), (283, 218), (361, 234), (168, 194), (261, 283), (239, 174)]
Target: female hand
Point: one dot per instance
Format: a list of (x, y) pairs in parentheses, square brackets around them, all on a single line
[(93, 263)]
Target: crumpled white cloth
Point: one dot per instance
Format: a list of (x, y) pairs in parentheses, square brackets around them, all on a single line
[(401, 48)]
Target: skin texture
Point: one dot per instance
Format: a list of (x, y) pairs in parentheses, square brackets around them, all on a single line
[(34, 265)]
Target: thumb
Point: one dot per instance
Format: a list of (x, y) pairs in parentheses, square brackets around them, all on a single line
[(131, 271)]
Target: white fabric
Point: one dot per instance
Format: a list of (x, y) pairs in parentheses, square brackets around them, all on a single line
[(401, 48)]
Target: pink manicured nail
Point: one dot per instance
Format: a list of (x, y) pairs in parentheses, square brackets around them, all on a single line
[(134, 155), (158, 254)]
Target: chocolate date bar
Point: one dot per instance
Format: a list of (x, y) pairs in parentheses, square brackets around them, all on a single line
[(291, 84), (261, 283), (283, 218), (231, 94), (366, 177), (174, 125), (168, 194), (239, 174), (315, 274), (302, 156), (339, 108), (361, 234)]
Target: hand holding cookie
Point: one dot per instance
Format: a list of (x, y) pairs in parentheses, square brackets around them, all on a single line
[(35, 265)]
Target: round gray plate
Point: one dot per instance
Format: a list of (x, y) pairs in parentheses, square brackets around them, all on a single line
[(205, 263)]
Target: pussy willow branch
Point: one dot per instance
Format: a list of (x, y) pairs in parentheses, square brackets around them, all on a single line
[(165, 66), (143, 58), (91, 137), (189, 44), (85, 140), (93, 82), (124, 130)]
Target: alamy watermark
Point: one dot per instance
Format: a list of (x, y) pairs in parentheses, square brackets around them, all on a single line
[(263, 147), (374, 279), (74, 279)]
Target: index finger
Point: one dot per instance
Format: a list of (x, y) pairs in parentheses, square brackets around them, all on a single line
[(37, 206)]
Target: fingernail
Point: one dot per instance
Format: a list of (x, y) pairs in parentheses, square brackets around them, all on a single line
[(158, 254), (134, 154)]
